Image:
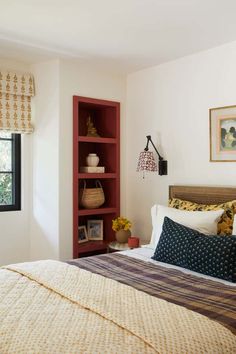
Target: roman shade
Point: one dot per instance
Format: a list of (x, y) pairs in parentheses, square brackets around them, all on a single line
[(16, 90)]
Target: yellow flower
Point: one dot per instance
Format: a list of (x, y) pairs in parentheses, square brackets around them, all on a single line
[(121, 223)]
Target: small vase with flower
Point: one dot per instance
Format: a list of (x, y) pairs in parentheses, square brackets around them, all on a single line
[(122, 227)]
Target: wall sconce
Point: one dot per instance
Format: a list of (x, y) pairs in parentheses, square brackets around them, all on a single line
[(147, 162)]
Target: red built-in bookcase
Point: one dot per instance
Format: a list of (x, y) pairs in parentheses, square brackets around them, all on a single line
[(106, 118)]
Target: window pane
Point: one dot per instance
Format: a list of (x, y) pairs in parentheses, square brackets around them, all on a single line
[(5, 155), (5, 135), (5, 189)]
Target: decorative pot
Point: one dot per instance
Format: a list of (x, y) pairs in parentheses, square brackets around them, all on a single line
[(133, 242), (122, 236), (92, 160)]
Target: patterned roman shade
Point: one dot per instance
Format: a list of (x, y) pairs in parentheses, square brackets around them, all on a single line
[(16, 90)]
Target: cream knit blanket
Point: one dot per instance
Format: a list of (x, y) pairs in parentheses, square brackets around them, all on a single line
[(52, 307)]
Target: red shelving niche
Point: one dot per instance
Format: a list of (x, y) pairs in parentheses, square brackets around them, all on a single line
[(106, 118)]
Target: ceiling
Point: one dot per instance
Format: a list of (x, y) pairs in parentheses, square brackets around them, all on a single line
[(124, 35)]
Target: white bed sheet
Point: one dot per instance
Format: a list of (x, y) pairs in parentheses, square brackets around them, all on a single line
[(146, 252)]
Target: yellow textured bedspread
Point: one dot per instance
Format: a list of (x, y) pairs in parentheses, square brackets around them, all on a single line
[(52, 307)]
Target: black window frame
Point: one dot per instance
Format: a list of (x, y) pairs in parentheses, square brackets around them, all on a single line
[(16, 173)]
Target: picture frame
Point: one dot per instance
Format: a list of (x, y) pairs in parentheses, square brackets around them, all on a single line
[(95, 230), (82, 234), (222, 134)]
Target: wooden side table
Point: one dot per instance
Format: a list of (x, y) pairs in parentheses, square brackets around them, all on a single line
[(117, 246)]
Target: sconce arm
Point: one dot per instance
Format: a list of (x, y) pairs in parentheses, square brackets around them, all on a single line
[(149, 139)]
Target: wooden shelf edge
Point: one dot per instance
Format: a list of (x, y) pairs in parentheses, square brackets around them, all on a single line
[(88, 139), (91, 246), (97, 211), (96, 175), (95, 101)]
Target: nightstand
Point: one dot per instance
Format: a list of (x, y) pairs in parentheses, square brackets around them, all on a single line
[(117, 246)]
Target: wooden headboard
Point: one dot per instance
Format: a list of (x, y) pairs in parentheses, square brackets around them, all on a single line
[(203, 195)]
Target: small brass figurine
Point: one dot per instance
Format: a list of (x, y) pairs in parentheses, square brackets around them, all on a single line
[(92, 131)]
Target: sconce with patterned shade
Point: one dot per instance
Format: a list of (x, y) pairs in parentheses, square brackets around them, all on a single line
[(147, 162)]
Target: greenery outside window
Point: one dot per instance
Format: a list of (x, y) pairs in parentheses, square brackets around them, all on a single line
[(10, 171)]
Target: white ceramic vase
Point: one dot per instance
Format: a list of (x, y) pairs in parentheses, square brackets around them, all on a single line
[(92, 160)]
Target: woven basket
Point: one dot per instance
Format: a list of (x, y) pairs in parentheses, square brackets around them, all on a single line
[(91, 198)]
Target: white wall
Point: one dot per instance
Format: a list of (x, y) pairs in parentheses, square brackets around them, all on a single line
[(44, 216), (171, 103), (43, 229), (14, 225), (83, 80)]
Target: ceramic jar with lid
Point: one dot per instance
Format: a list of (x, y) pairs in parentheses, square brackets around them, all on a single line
[(92, 160)]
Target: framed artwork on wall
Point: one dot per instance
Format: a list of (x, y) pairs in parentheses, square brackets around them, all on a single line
[(95, 229), (223, 134), (82, 236)]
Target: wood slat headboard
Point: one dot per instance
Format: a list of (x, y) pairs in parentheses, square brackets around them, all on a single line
[(202, 194)]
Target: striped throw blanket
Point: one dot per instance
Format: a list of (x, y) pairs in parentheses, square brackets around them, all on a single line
[(212, 299)]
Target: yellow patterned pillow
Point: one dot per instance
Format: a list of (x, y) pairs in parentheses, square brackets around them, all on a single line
[(225, 224)]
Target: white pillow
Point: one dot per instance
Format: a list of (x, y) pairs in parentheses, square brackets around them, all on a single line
[(234, 226), (202, 221)]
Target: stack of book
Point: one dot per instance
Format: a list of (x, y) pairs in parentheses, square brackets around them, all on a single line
[(89, 169)]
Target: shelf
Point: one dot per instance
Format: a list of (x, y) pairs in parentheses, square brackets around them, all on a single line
[(93, 102), (97, 175), (97, 211), (89, 139), (105, 116), (92, 246)]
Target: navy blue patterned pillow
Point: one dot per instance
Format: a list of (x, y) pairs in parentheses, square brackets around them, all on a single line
[(188, 248)]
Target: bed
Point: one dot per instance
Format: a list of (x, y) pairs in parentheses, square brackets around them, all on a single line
[(118, 303)]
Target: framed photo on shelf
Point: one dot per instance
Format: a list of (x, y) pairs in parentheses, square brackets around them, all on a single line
[(95, 230), (82, 235), (223, 134)]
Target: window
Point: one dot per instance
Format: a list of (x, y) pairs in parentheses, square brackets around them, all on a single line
[(10, 171)]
